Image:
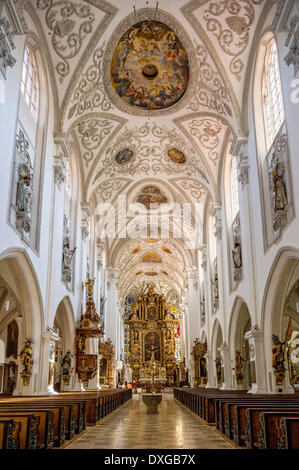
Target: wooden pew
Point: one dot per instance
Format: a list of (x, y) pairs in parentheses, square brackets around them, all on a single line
[(28, 427), (288, 433), (45, 438), (264, 425), (9, 434)]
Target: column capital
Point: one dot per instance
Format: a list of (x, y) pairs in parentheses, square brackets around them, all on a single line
[(215, 211), (59, 171), (204, 257), (85, 214), (112, 273)]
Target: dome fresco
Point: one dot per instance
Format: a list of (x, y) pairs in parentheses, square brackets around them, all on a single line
[(149, 67)]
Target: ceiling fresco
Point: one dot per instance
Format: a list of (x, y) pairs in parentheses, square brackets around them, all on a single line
[(149, 67)]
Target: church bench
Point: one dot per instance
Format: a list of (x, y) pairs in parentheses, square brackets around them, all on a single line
[(288, 433), (9, 434), (45, 438), (263, 425), (69, 415), (239, 418), (28, 427), (224, 414)]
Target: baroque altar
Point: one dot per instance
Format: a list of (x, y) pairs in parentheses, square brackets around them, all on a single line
[(152, 329)]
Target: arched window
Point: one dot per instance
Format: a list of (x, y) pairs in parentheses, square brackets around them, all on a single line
[(272, 94), (29, 84), (234, 188)]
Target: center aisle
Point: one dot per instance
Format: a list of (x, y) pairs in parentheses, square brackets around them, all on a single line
[(129, 427)]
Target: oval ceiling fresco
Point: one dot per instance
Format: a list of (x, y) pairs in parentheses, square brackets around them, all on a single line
[(149, 67), (176, 156), (124, 156)]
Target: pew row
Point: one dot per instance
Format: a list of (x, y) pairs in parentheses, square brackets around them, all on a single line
[(37, 422), (268, 421)]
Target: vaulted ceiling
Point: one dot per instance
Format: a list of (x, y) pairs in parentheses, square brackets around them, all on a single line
[(80, 38)]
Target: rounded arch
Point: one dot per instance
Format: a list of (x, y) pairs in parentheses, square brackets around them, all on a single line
[(284, 270), (65, 321), (239, 318), (18, 272), (216, 338)]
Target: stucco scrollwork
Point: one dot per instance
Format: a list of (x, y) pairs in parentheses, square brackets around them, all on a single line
[(70, 24), (207, 131), (108, 188), (89, 94), (92, 132), (211, 92), (230, 22)]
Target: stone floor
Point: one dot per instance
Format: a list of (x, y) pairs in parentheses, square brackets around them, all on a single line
[(129, 427)]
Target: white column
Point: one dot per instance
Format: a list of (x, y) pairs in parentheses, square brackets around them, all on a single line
[(192, 317), (226, 365), (49, 339), (257, 360), (210, 370), (112, 316)]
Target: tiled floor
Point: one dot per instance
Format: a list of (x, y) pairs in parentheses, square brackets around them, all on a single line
[(129, 427)]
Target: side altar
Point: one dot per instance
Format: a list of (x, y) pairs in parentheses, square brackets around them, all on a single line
[(152, 329)]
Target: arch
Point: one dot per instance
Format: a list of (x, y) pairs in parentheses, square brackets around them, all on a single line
[(18, 272), (65, 320), (278, 285), (216, 338), (238, 314)]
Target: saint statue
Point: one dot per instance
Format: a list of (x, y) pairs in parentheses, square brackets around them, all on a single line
[(66, 364), (237, 257), (23, 199), (278, 352), (279, 189), (239, 363), (89, 283), (26, 357), (67, 254)]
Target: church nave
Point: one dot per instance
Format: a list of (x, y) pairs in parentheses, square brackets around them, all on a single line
[(129, 427)]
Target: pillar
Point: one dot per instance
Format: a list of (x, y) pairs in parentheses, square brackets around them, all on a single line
[(112, 315), (226, 367), (257, 360), (192, 317)]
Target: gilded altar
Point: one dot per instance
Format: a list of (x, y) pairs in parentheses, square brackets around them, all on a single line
[(198, 353), (152, 329)]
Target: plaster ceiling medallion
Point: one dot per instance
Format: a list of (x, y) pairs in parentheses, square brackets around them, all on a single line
[(124, 156), (151, 258), (176, 156), (151, 196), (149, 67), (149, 64)]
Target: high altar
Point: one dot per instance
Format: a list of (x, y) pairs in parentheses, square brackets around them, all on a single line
[(152, 338)]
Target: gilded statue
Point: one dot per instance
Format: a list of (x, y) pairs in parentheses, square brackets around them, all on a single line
[(278, 358), (80, 343), (27, 361), (89, 283)]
